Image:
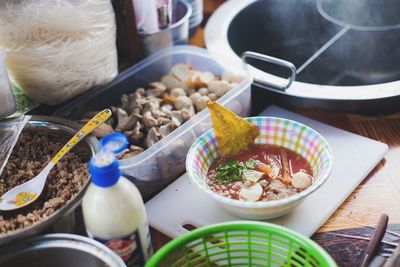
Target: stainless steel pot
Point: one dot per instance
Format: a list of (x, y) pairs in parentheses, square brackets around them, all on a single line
[(175, 34), (338, 66), (61, 250), (85, 149)]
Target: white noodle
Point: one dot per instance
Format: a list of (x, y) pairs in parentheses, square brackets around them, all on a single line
[(57, 49)]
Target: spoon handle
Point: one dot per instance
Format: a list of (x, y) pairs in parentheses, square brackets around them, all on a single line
[(92, 124)]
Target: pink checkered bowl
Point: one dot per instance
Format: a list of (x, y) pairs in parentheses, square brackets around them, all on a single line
[(286, 133)]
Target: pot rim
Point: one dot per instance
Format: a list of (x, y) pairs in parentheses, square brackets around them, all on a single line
[(71, 241), (216, 39)]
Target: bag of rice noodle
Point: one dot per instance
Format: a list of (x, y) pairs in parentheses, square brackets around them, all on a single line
[(58, 49)]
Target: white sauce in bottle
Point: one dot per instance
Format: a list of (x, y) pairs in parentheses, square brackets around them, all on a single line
[(114, 212)]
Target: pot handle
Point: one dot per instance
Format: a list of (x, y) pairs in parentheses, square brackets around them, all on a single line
[(283, 63)]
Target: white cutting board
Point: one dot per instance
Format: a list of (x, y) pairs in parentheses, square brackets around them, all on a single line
[(354, 157)]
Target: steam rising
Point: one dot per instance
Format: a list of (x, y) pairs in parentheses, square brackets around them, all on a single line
[(332, 42), (366, 14)]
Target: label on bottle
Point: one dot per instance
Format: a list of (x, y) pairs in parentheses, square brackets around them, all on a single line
[(129, 248)]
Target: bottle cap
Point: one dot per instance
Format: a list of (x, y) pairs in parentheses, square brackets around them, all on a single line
[(104, 169), (104, 166), (114, 142)]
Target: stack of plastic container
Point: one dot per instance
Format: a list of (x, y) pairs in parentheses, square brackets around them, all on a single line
[(197, 13)]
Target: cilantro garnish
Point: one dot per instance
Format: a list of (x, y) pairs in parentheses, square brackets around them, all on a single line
[(232, 171)]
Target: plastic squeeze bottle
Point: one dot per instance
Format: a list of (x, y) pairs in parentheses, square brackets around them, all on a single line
[(113, 208)]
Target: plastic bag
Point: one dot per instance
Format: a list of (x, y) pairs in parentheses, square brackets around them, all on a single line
[(10, 129), (58, 49)]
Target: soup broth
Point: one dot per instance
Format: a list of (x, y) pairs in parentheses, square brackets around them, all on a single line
[(261, 173)]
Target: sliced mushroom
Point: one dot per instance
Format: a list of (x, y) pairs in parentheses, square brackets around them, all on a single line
[(125, 105), (136, 135), (132, 103), (132, 120), (153, 106), (301, 180), (122, 117), (151, 138), (163, 120), (186, 114), (176, 117), (167, 129), (140, 91), (252, 193), (148, 120), (180, 116), (137, 110)]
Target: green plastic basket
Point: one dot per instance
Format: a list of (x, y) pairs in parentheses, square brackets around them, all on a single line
[(241, 243)]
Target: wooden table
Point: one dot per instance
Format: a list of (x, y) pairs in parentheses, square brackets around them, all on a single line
[(378, 193)]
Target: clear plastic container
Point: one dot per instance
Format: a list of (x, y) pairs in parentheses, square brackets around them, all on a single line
[(165, 161), (7, 102)]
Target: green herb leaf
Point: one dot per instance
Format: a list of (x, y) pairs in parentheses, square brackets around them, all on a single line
[(232, 171), (250, 164)]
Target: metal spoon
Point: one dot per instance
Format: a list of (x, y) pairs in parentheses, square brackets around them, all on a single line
[(24, 194)]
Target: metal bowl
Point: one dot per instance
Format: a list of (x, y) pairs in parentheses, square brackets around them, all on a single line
[(85, 149), (176, 34), (61, 250)]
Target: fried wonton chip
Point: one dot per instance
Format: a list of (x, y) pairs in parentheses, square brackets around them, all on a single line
[(233, 133)]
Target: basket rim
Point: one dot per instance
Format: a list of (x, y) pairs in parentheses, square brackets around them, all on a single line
[(313, 248)]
